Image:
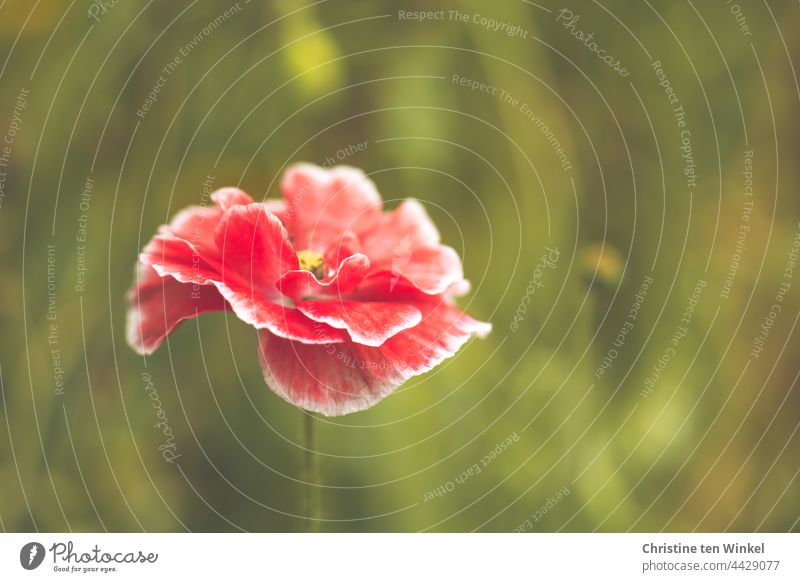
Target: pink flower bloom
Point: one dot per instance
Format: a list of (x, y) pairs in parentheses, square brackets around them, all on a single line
[(349, 301)]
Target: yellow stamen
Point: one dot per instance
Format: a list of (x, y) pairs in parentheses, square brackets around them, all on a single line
[(311, 261)]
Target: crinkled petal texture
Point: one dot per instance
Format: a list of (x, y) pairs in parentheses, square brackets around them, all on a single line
[(405, 243), (159, 304), (322, 206), (374, 311), (347, 377)]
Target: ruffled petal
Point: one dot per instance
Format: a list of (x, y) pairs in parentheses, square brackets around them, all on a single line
[(276, 207), (283, 321), (459, 288), (432, 270), (388, 286), (342, 378), (226, 198), (405, 227), (196, 224), (367, 323), (174, 256), (302, 284), (406, 243), (254, 247), (322, 204), (157, 305)]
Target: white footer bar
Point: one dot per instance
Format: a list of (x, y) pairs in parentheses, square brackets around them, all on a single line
[(406, 557)]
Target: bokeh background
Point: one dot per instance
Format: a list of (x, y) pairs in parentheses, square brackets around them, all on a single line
[(711, 444)]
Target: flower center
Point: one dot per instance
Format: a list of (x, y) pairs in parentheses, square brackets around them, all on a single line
[(311, 261)]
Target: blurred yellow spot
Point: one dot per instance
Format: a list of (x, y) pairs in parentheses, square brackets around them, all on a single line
[(306, 46), (602, 263)]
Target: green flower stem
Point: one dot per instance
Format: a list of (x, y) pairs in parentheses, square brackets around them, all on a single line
[(311, 471)]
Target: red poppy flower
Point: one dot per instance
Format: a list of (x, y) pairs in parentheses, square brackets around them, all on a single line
[(349, 301)]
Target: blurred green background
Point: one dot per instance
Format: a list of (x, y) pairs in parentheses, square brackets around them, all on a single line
[(712, 446)]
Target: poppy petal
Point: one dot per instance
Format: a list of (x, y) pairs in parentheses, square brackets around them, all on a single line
[(226, 198), (283, 321), (432, 270), (367, 323), (157, 305), (299, 284), (171, 255), (408, 222), (342, 378), (406, 243), (324, 204), (174, 257), (254, 247), (196, 224), (388, 286)]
